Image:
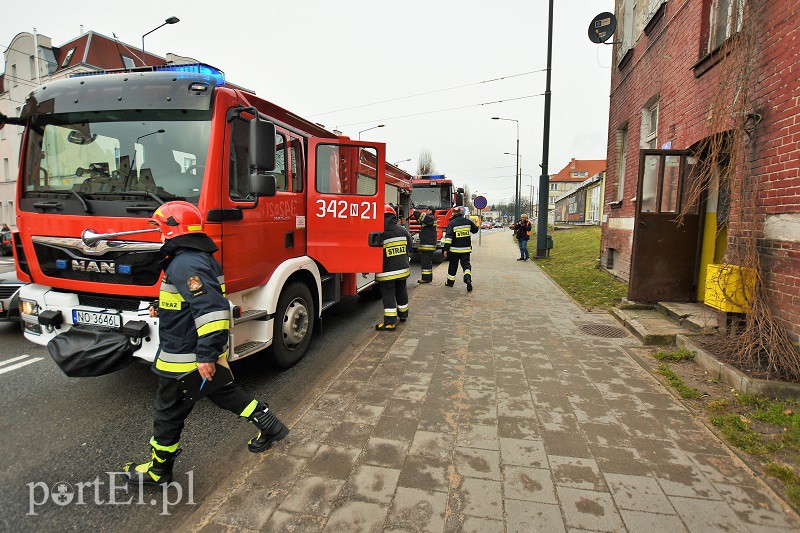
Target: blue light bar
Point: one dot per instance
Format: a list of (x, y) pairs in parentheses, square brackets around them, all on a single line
[(195, 68), (190, 68)]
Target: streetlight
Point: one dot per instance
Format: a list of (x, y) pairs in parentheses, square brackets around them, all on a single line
[(403, 161), (516, 176), (170, 20), (372, 128), (544, 179)]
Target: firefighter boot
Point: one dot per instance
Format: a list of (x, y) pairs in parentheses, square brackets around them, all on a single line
[(156, 471), (468, 280), (270, 429)]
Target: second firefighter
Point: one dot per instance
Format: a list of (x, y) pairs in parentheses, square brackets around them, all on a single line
[(427, 242), (396, 269), (458, 247)]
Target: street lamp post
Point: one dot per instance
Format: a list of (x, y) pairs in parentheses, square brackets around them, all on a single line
[(372, 128), (516, 176), (544, 179), (403, 161), (170, 20)]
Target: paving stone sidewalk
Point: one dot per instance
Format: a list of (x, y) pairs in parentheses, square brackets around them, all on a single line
[(493, 411)]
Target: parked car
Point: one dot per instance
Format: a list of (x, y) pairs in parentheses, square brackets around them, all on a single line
[(6, 243), (486, 225), (9, 291)]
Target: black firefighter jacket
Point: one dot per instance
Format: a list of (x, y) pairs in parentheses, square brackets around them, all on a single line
[(396, 247), (427, 232), (194, 315), (457, 238)]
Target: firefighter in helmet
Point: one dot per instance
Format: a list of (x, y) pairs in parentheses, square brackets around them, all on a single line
[(193, 329), (458, 246), (427, 242), (392, 281)]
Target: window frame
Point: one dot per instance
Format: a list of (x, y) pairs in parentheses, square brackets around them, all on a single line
[(284, 135), (355, 175), (68, 57), (622, 159), (124, 64), (649, 131), (734, 7)]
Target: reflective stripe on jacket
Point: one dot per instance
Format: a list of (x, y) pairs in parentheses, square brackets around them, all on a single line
[(194, 315), (396, 247), (457, 237)]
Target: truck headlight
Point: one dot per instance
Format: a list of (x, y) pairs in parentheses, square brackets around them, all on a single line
[(28, 307)]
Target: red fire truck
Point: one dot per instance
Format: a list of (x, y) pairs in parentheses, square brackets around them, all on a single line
[(433, 191), (295, 210)]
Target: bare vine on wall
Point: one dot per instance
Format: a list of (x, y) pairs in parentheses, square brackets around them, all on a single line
[(725, 161)]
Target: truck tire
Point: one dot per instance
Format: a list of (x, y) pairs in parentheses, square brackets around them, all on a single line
[(293, 325)]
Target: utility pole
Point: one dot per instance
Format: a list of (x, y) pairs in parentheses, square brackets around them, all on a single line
[(544, 179)]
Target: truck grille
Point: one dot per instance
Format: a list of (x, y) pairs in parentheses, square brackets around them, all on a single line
[(6, 291), (95, 277), (107, 302)]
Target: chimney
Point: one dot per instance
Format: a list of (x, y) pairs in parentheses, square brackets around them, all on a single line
[(572, 164)]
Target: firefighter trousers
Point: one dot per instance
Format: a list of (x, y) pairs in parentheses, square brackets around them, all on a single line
[(426, 263), (452, 268), (394, 294), (171, 410)]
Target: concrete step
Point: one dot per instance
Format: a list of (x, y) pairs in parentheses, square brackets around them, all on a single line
[(650, 326), (693, 315)]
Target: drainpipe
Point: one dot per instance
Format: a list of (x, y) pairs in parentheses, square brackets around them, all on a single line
[(36, 57)]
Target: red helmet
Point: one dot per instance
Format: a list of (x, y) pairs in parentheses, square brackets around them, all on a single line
[(177, 218), (389, 210)]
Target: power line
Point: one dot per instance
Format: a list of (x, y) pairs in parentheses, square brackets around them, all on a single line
[(441, 110), (477, 169), (429, 92)]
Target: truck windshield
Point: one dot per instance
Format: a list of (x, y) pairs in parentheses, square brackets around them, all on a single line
[(103, 156), (438, 197)]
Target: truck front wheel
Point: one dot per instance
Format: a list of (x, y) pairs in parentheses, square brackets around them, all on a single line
[(293, 325)]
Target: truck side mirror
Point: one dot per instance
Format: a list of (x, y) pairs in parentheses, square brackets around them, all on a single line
[(263, 184), (262, 145), (262, 157), (460, 198)]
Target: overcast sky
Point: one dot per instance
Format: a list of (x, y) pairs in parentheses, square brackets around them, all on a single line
[(317, 56)]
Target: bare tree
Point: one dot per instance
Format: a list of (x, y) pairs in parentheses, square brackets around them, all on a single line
[(425, 164)]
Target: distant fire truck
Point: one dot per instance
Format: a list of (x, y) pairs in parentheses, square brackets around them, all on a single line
[(295, 210), (438, 192)]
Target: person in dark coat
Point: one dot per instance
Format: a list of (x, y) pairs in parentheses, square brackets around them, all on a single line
[(427, 242), (194, 323), (522, 231), (458, 246), (396, 269)]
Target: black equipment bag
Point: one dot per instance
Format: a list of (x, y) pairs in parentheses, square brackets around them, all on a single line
[(84, 351)]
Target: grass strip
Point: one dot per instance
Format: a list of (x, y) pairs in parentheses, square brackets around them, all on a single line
[(573, 265), (737, 430), (676, 382), (789, 478), (676, 357)]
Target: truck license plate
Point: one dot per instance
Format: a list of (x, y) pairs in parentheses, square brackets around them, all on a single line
[(92, 318)]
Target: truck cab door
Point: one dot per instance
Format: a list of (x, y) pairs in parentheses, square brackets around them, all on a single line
[(345, 204)]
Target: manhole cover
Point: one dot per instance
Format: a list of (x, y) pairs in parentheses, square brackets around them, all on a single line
[(602, 330)]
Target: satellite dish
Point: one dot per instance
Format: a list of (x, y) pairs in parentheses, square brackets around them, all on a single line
[(602, 27)]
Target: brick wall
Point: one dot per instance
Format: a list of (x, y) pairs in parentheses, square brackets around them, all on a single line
[(661, 65)]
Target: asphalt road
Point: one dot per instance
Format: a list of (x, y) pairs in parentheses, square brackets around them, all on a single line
[(58, 429)]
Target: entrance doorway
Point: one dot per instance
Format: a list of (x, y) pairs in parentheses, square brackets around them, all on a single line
[(666, 245)]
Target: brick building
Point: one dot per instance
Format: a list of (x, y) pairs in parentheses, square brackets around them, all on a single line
[(31, 60), (670, 61)]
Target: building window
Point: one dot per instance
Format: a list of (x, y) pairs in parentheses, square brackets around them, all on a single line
[(628, 9), (2, 134), (67, 58), (14, 74), (554, 186), (6, 170), (622, 159), (127, 62), (32, 61), (19, 128), (650, 125), (726, 21)]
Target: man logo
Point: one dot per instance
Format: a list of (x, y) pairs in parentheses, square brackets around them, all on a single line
[(102, 267)]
